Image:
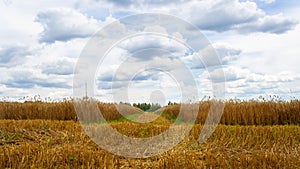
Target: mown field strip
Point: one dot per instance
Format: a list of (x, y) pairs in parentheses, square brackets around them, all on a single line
[(62, 144)]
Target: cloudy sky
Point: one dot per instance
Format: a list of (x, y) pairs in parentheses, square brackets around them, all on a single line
[(257, 42)]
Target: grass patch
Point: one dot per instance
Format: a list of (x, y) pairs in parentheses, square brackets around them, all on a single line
[(128, 118)]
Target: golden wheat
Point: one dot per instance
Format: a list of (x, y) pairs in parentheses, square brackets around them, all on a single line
[(246, 113), (60, 110), (63, 144)]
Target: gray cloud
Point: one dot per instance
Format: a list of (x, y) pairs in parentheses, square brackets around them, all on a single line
[(127, 75), (245, 17), (107, 77), (64, 24), (26, 79), (126, 3), (234, 74), (276, 24), (222, 15), (225, 75), (243, 83), (215, 56), (139, 72), (282, 77), (30, 83), (61, 67), (123, 3), (218, 15), (13, 55), (150, 53), (148, 47), (107, 85), (267, 1)]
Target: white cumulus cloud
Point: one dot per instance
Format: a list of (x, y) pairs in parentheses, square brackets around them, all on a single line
[(62, 24)]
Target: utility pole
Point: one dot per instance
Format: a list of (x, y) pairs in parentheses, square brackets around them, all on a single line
[(86, 95)]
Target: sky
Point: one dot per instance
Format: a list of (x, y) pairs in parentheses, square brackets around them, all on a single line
[(257, 42)]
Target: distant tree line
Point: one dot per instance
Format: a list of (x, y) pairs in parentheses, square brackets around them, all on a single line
[(171, 103), (150, 107)]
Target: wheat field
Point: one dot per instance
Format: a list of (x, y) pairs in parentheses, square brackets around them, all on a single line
[(251, 135), (235, 113)]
